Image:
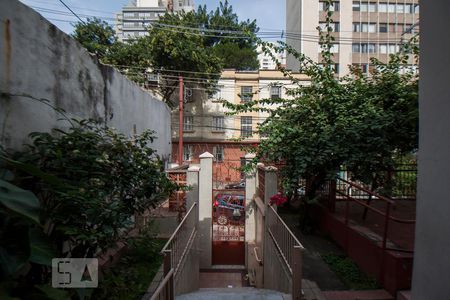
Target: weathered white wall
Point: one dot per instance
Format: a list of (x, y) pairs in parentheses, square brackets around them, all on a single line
[(431, 276), (39, 60)]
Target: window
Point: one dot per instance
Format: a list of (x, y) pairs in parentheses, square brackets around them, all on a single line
[(363, 7), (363, 67), (275, 92), (408, 8), (333, 67), (416, 8), (188, 152), (368, 48), (336, 68), (188, 123), (400, 8), (334, 48), (323, 6), (364, 27), (383, 27), (371, 27), (334, 26), (391, 8), (383, 48), (356, 48), (383, 7), (246, 126), (218, 153), (246, 93), (372, 7), (218, 123), (393, 48), (356, 6), (188, 92)]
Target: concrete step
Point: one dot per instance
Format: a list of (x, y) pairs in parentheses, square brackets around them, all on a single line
[(247, 293)]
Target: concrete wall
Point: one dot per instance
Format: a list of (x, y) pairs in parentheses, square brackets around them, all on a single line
[(41, 61), (432, 259)]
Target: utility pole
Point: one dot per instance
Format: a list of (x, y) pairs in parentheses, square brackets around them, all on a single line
[(180, 131)]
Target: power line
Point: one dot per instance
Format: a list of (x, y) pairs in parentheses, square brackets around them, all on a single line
[(200, 31), (72, 11)]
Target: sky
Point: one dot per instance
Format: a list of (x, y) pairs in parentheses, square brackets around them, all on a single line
[(270, 14)]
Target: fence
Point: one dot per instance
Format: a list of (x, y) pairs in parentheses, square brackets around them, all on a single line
[(181, 264), (282, 256), (177, 200), (379, 214), (398, 183), (282, 251)]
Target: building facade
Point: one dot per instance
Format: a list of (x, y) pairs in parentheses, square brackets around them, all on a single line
[(208, 127), (266, 61), (362, 29), (135, 18)]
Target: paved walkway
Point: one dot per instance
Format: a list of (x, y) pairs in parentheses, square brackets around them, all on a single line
[(247, 293), (358, 295), (314, 268)]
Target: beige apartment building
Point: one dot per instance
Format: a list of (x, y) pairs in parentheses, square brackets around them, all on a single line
[(362, 29), (208, 127)]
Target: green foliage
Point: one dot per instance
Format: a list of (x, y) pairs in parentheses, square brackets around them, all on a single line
[(130, 278), (89, 182), (96, 36), (178, 42), (349, 272), (107, 179), (358, 121), (235, 57)]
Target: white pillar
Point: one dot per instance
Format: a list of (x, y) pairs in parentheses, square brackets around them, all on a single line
[(270, 184), (250, 190), (192, 179), (205, 210)]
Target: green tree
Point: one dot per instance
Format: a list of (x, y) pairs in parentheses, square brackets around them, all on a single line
[(96, 36), (200, 43), (359, 121)]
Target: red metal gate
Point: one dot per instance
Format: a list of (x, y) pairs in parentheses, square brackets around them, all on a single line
[(228, 243)]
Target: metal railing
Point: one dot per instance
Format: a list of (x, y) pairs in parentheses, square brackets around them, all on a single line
[(181, 265), (282, 256), (386, 214)]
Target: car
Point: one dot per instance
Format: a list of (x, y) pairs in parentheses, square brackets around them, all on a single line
[(236, 185)]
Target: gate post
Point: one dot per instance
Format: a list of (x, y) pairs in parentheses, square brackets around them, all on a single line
[(192, 179), (270, 184), (250, 190), (205, 210)]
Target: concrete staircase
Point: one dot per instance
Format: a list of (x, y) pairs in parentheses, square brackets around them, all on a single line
[(247, 293)]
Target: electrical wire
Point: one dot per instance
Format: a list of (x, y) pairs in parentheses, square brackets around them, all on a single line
[(201, 31), (72, 11)]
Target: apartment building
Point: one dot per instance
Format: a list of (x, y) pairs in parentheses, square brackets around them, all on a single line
[(362, 29), (266, 61), (135, 17), (207, 127)]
